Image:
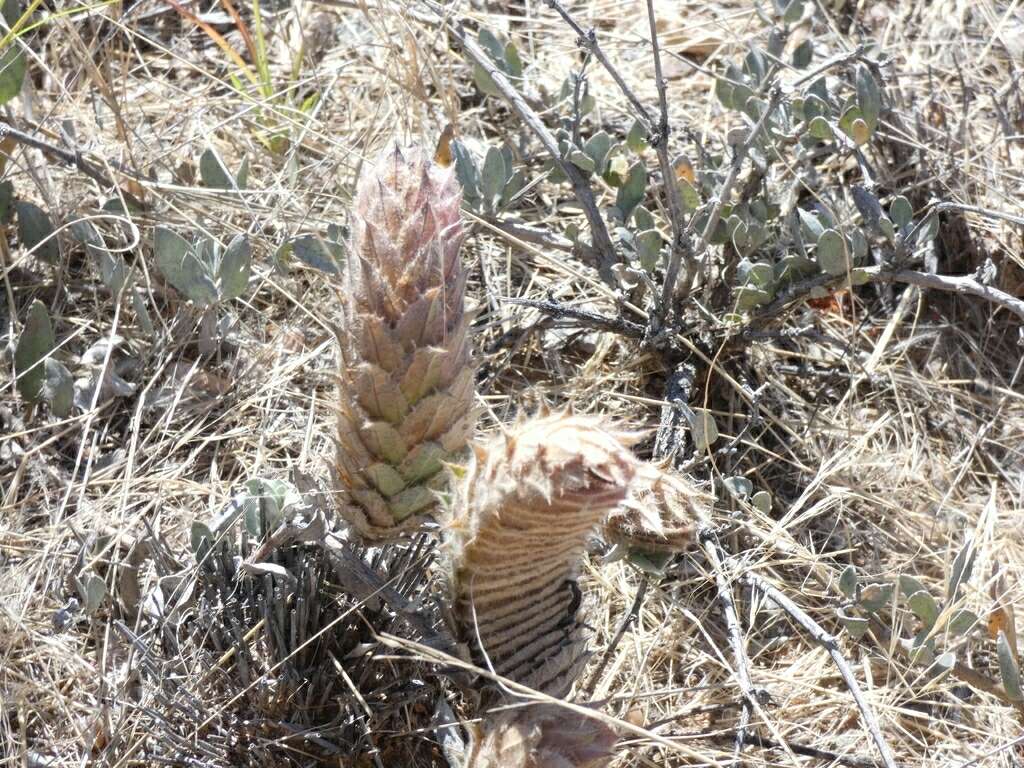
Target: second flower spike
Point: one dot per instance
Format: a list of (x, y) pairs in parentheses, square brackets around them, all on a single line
[(525, 508)]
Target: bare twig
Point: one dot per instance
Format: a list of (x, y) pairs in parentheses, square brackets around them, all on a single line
[(658, 133), (732, 626), (630, 618), (962, 284), (852, 761), (681, 245), (587, 39), (738, 157), (527, 234), (583, 317), (825, 66), (989, 212), (62, 155), (828, 642), (603, 246)]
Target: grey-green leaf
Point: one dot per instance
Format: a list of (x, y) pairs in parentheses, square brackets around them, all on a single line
[(848, 582), (466, 171), (820, 129), (901, 211), (924, 607), (874, 597), (484, 81), (12, 71), (909, 585), (762, 501), (242, 177), (636, 139), (631, 194), (95, 590), (832, 254), (235, 267), (581, 160), (962, 621), (963, 564), (739, 486), (689, 196), (648, 248), (653, 563), (643, 218), (868, 97), (213, 171), (803, 54), (597, 148), (58, 387), (316, 252), (794, 11), (1008, 668), (855, 626), (35, 230), (34, 344), (810, 224), (179, 264), (747, 297), (703, 429), (493, 177)]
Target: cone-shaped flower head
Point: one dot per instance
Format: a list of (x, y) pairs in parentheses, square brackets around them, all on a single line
[(524, 510), (405, 375), (545, 736), (663, 514)]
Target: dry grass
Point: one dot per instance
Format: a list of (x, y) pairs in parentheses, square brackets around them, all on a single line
[(885, 436)]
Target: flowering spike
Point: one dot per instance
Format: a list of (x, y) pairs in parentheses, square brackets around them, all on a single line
[(405, 375), (525, 510)]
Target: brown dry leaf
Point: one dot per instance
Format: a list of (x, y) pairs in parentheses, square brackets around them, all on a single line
[(685, 35), (635, 716), (6, 148), (200, 381), (443, 153), (684, 169), (1001, 617)]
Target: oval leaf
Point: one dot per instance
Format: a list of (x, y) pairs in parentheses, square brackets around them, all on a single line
[(95, 591), (12, 70), (35, 230), (703, 429), (848, 582), (901, 211), (34, 344), (855, 626), (182, 268), (832, 254), (493, 176), (631, 194), (762, 501), (213, 172), (739, 486), (58, 387), (1008, 668), (924, 607), (235, 267)]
